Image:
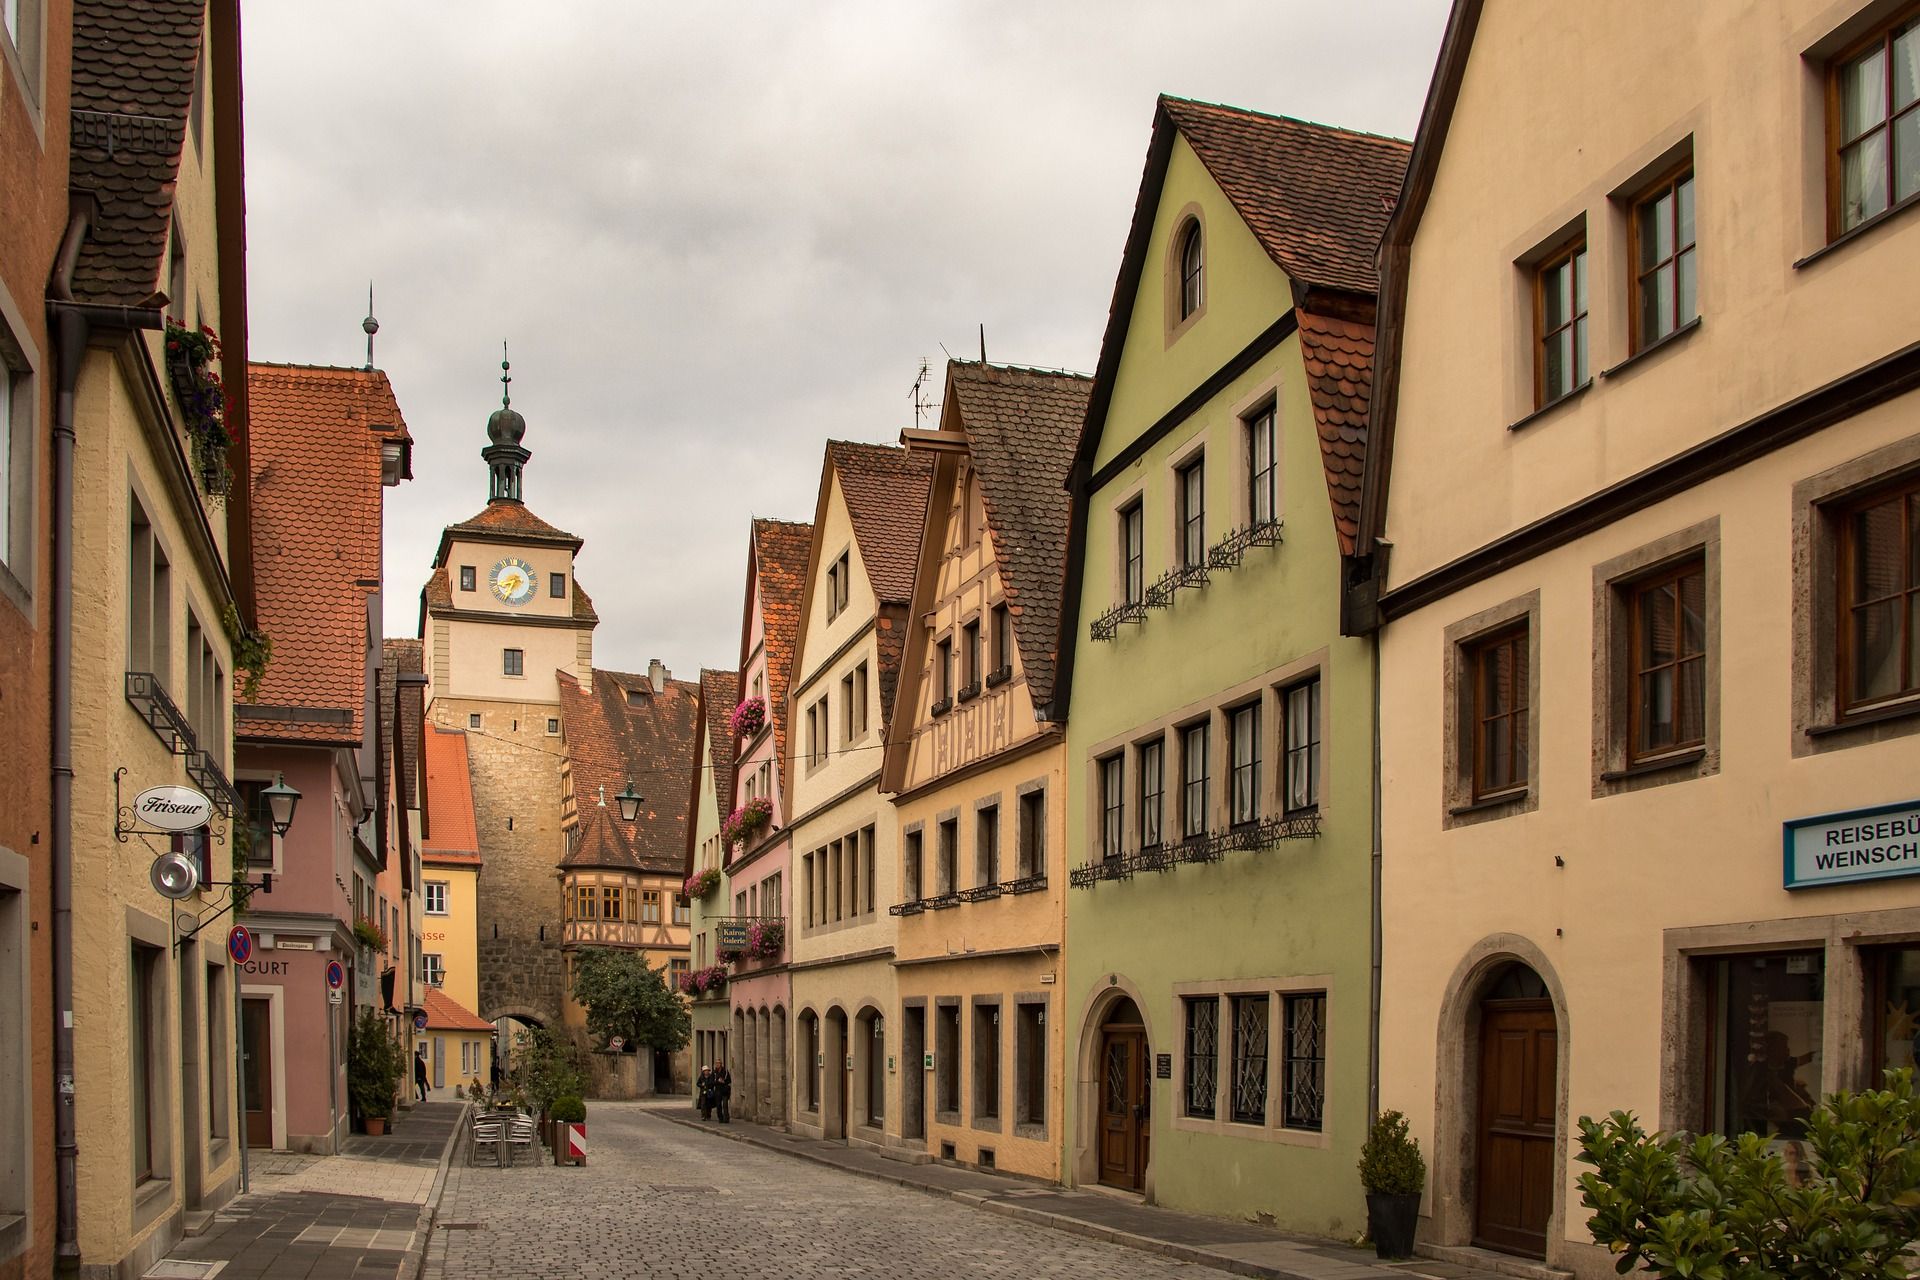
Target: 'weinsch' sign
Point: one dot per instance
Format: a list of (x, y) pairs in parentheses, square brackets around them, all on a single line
[(1865, 844)]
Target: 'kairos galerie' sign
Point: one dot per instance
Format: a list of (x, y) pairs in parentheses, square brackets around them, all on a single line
[(173, 808)]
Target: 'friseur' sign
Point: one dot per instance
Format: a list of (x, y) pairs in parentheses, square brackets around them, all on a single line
[(1866, 844)]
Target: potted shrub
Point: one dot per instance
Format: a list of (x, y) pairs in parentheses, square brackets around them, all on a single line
[(1393, 1173), (373, 1070), (566, 1110), (369, 935)]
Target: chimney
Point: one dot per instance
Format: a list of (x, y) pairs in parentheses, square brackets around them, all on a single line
[(657, 674)]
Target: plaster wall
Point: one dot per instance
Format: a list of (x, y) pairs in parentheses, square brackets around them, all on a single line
[(483, 556), (452, 936), (311, 1108), (477, 667)]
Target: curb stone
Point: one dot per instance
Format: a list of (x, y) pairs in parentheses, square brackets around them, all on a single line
[(416, 1258)]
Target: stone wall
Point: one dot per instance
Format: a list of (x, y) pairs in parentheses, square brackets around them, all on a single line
[(523, 975)]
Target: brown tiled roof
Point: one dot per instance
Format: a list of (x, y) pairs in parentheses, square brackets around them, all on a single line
[(1316, 197), (612, 737), (403, 657), (886, 492), (780, 550), (1339, 362), (317, 504), (719, 695), (1022, 426), (452, 833), (503, 520), (130, 60), (444, 1013)]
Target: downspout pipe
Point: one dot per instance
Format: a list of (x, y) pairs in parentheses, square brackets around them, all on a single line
[(72, 324), (1373, 978)]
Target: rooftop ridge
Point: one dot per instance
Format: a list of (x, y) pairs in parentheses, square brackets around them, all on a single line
[(1320, 125)]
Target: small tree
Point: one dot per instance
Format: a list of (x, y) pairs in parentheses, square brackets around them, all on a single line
[(1714, 1208), (545, 1067), (624, 997), (373, 1065)]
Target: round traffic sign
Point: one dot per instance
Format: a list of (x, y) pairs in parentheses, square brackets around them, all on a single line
[(420, 1021), (336, 975), (240, 943)]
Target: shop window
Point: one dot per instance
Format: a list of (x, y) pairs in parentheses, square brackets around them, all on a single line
[(946, 1061), (16, 1049), (986, 1060), (1895, 975), (1767, 1045), (146, 1002), (1030, 1064)]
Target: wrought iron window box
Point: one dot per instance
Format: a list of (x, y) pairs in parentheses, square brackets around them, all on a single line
[(980, 893), (969, 692), (999, 676), (169, 724), (940, 707), (1230, 550), (1160, 595), (1115, 868), (940, 902), (1108, 624), (1026, 884), (1206, 846), (913, 908)]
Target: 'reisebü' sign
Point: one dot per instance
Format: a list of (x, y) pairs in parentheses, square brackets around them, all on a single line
[(1863, 844), (173, 808)]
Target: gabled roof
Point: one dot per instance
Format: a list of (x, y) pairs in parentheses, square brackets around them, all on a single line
[(719, 695), (886, 494), (1021, 427), (452, 835), (779, 550), (1338, 355), (317, 509), (503, 520), (444, 1013), (623, 730)]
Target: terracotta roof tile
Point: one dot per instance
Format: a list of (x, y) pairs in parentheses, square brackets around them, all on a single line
[(886, 490), (502, 520), (452, 833), (403, 657), (623, 730), (780, 551), (444, 1013), (719, 695), (1339, 361), (1022, 426), (1317, 197), (317, 499), (135, 62)]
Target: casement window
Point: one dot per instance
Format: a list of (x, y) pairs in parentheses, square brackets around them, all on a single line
[(1874, 124), (650, 906), (837, 576), (943, 670), (18, 490), (1249, 1077), (1192, 487), (610, 903), (1002, 621), (1667, 650), (1300, 709), (1031, 855), (1767, 1042), (970, 655), (147, 1034), (986, 845), (1879, 598), (1030, 1064), (436, 897), (913, 857), (1894, 977), (986, 1060), (1498, 668), (1666, 268), (946, 1071), (1150, 759), (859, 713), (469, 579), (1304, 1074), (513, 662), (1263, 498), (869, 868), (1193, 780), (1201, 1047), (770, 891), (1243, 735), (149, 599), (1133, 572), (682, 909), (947, 857), (1560, 324), (846, 708), (806, 887), (817, 723), (553, 726), (432, 972), (1113, 804), (473, 719), (677, 967), (1193, 270), (557, 585)]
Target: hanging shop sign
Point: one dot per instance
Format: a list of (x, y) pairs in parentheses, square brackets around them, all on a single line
[(1862, 844), (173, 808), (730, 934)]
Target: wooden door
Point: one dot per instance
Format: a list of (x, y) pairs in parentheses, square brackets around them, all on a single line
[(1124, 1079), (1519, 1090), (256, 1068)]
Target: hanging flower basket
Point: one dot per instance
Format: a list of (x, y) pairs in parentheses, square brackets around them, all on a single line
[(701, 883), (369, 935), (704, 981), (749, 718), (765, 938), (193, 366), (744, 823)]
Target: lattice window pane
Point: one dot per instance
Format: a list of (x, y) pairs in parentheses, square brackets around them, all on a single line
[(1306, 1061), (1203, 1055), (1250, 1059)]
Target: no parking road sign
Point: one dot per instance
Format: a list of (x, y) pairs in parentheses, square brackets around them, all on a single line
[(240, 943), (336, 975)]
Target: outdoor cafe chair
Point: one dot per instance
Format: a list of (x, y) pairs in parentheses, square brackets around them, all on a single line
[(520, 1133), (487, 1131)]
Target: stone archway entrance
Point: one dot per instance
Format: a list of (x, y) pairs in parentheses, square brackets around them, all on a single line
[(1516, 1122), (833, 1107), (1124, 1117)]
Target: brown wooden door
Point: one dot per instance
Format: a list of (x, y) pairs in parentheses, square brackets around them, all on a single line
[(1124, 1112), (256, 1043), (1519, 1061)]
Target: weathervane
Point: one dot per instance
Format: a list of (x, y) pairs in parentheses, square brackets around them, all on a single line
[(506, 377)]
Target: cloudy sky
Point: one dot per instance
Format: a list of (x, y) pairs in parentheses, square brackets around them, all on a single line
[(716, 235)]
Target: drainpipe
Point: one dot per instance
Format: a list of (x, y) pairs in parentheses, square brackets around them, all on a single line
[(72, 322), (1373, 979)]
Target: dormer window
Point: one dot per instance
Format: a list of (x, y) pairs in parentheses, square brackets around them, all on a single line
[(1193, 287)]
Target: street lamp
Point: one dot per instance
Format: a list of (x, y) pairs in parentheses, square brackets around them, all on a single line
[(282, 800), (630, 802)]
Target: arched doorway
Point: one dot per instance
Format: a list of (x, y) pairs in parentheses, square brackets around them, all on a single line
[(833, 1107), (781, 1091), (1124, 1085), (869, 1051), (1516, 1118)]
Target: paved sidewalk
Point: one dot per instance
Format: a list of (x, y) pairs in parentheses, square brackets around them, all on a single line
[(363, 1213), (1242, 1248)]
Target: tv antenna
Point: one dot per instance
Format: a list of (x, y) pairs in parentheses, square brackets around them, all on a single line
[(921, 404)]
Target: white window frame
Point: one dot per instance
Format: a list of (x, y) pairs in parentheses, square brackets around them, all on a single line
[(428, 896)]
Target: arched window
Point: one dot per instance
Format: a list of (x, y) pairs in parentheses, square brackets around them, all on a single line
[(1193, 287)]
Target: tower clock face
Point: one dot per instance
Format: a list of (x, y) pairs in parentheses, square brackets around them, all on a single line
[(512, 581)]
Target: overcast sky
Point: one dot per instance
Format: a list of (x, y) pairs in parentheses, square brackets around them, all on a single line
[(716, 235)]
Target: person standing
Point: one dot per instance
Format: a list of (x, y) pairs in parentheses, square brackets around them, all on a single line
[(703, 1092), (420, 1075), (723, 1091)]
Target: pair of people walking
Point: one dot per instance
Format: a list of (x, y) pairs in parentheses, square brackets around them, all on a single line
[(713, 1092)]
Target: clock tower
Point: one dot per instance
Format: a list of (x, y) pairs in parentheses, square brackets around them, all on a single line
[(501, 619)]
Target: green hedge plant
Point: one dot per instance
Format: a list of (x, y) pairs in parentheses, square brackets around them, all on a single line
[(569, 1109), (1390, 1162)]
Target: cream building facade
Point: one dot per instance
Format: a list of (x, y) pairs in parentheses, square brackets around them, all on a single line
[(1638, 513), (853, 620), (977, 779)]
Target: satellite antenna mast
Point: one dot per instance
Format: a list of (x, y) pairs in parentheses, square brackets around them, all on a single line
[(921, 405), (370, 326)]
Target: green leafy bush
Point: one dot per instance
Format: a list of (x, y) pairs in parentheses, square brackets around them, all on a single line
[(569, 1109), (545, 1067), (373, 1065), (1713, 1208), (1390, 1162)]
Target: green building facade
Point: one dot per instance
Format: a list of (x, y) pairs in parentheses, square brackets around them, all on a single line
[(1220, 729)]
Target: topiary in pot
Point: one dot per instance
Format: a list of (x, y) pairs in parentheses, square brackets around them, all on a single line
[(565, 1111), (1393, 1174)]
